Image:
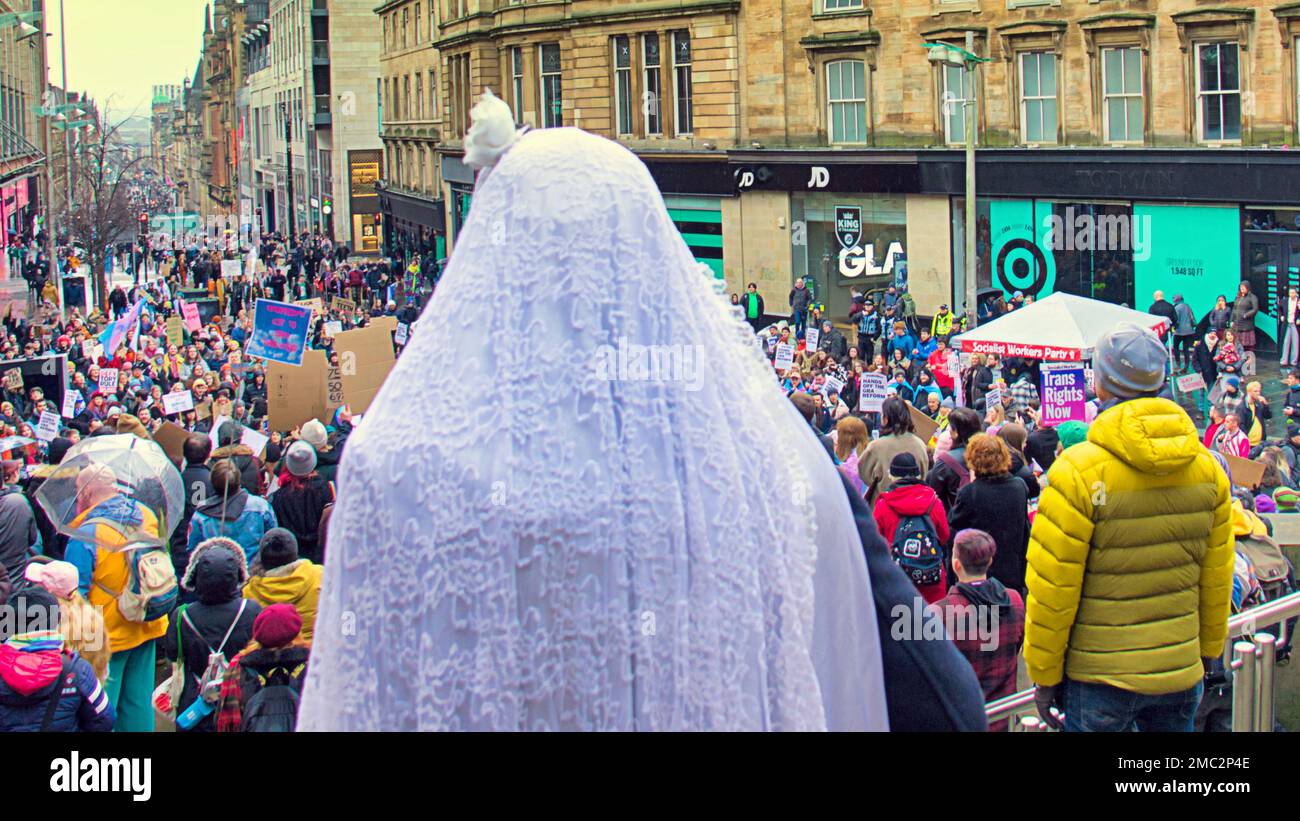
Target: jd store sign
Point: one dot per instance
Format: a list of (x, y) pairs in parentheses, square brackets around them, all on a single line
[(855, 260)]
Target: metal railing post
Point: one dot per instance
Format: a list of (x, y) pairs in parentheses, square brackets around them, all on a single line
[(1244, 688), (1266, 645)]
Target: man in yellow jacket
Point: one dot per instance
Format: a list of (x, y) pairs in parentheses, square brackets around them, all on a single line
[(1130, 557)]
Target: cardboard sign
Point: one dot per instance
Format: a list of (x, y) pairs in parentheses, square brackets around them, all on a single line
[(295, 395), (108, 380), (231, 268), (203, 410), (88, 348), (171, 438), (992, 399), (175, 331), (402, 334), (280, 331), (178, 402), (315, 305), (333, 388), (70, 400), (1190, 382), (925, 426), (833, 385), (1063, 394), (784, 357), (366, 357), (342, 305), (333, 328), (873, 392), (1245, 473), (14, 379), (49, 426), (812, 336)]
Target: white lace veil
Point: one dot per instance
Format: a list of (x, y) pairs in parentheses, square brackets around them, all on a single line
[(581, 501)]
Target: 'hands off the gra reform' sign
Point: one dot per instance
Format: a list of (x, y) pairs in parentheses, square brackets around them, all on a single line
[(280, 331)]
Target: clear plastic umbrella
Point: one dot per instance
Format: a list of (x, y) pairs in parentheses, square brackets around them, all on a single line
[(115, 491)]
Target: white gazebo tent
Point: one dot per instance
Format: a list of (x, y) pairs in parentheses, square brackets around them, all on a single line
[(1058, 328)]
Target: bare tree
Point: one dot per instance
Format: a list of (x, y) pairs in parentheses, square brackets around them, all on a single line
[(102, 212)]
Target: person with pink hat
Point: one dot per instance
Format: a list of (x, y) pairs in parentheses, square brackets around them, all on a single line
[(81, 624)]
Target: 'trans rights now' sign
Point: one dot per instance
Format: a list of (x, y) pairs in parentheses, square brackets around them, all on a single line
[(1064, 397)]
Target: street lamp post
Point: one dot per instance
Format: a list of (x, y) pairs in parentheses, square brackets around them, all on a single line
[(288, 163), (945, 54)]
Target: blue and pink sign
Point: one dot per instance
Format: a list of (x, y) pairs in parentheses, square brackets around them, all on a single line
[(1063, 393), (280, 331)]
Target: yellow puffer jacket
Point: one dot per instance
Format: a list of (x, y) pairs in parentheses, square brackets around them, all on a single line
[(296, 583), (1130, 557)]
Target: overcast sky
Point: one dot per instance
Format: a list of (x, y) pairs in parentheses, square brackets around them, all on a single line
[(119, 49)]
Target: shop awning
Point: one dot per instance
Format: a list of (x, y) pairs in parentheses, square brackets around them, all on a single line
[(1060, 327)]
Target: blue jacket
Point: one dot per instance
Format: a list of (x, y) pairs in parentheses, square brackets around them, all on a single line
[(28, 676), (905, 343), (924, 349), (244, 519)]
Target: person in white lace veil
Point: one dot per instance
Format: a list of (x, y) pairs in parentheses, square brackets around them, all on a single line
[(580, 501)]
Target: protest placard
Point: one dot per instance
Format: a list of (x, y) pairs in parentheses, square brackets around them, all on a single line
[(190, 312), (316, 305), (342, 305), (108, 380), (203, 410), (401, 334), (366, 356), (280, 331), (833, 385), (178, 402), (70, 399), (255, 441), (333, 388), (333, 328), (784, 357), (175, 331), (993, 398), (231, 268), (812, 336), (923, 425), (1063, 394), (49, 426), (295, 395), (1190, 382), (14, 379), (88, 347), (1245, 472), (873, 392), (171, 438)]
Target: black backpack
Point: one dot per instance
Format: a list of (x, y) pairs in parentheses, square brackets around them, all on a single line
[(916, 549), (274, 707)]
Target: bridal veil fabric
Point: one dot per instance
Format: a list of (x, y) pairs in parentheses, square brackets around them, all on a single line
[(580, 501)]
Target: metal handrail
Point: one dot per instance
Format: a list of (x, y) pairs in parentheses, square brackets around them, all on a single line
[(1242, 624)]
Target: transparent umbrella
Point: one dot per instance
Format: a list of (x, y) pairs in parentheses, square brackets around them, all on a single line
[(115, 491)]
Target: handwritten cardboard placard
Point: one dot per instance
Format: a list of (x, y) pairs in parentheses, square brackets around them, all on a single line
[(108, 380), (178, 402), (70, 400), (14, 379), (874, 392), (1190, 382), (924, 426)]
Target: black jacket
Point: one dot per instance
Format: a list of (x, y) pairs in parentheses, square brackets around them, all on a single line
[(1203, 361), (197, 480), (1165, 308), (998, 505), (298, 509), (945, 479), (929, 685)]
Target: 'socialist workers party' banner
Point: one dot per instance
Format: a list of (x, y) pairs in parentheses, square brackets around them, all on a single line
[(1063, 394)]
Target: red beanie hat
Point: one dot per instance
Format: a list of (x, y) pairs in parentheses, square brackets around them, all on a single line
[(277, 625)]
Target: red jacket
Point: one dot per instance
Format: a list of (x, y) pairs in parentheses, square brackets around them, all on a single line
[(913, 500), (938, 364)]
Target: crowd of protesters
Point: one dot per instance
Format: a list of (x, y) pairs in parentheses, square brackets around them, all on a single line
[(248, 551)]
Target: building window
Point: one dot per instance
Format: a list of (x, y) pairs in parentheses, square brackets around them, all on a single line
[(1038, 97), (417, 23), (623, 84), (847, 99), (406, 98), (1218, 90), (419, 95), (1122, 110), (840, 5), (954, 98), (650, 91), (406, 24), (682, 82), (548, 55), (517, 81)]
